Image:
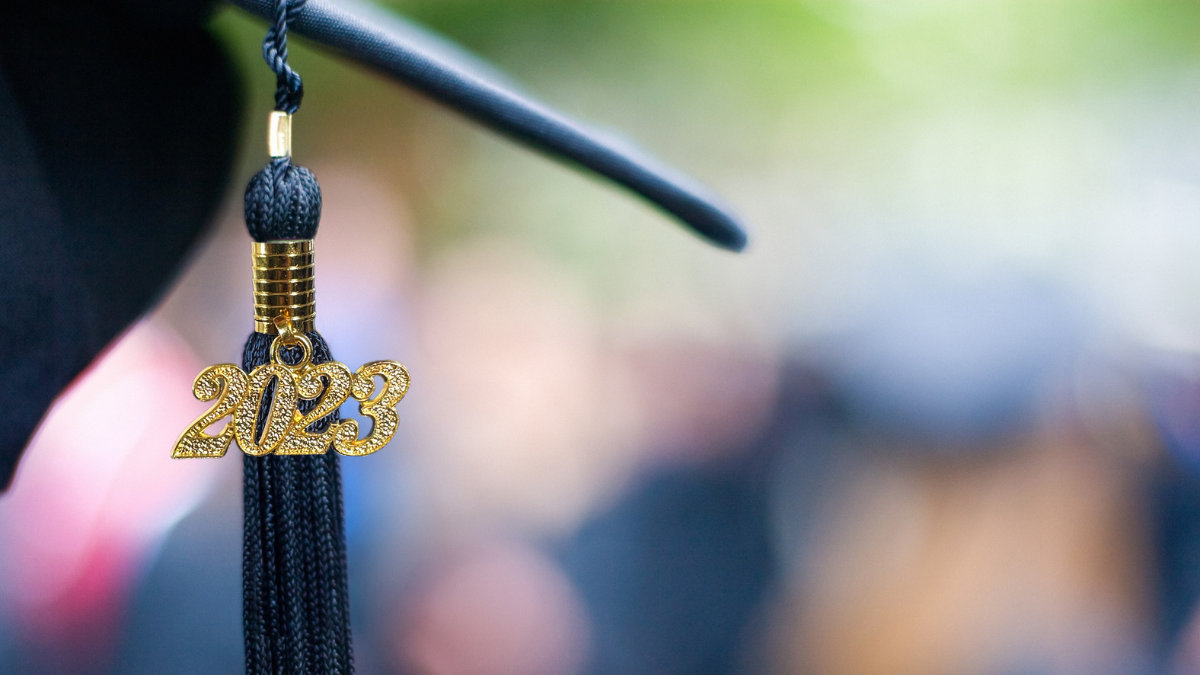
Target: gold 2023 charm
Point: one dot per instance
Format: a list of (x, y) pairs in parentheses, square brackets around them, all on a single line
[(285, 428)]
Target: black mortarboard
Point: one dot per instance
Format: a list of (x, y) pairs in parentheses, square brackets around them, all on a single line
[(102, 195)]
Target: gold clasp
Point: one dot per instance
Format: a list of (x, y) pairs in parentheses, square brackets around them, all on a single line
[(283, 284), (288, 336), (283, 324), (279, 134)]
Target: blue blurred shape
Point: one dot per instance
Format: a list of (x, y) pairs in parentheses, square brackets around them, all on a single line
[(186, 616), (953, 365), (673, 573)]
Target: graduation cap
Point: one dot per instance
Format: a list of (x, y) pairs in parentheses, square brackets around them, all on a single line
[(118, 124)]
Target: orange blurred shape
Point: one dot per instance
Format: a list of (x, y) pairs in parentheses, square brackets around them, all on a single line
[(1031, 556), (97, 490), (499, 609)]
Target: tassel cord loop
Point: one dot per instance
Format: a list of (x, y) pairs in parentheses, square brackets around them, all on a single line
[(289, 89)]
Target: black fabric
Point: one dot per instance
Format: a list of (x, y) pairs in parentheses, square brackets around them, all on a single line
[(296, 602), (118, 122), (283, 201), (381, 42)]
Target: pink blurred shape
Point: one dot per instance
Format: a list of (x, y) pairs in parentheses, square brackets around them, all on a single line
[(97, 491), (502, 608)]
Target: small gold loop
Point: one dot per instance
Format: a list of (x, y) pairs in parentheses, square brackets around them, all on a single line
[(298, 339), (283, 324), (279, 134)]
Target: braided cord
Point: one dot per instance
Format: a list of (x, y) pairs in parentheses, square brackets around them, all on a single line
[(289, 90), (295, 593)]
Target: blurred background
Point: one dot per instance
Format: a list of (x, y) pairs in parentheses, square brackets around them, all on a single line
[(942, 417)]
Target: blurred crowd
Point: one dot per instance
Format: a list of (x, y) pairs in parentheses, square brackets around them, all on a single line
[(942, 418)]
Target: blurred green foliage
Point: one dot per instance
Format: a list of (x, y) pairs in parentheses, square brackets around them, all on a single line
[(726, 71), (767, 100)]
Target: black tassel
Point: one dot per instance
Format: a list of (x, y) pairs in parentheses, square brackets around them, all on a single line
[(296, 605), (295, 597)]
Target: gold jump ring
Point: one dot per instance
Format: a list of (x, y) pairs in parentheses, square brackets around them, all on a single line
[(298, 339)]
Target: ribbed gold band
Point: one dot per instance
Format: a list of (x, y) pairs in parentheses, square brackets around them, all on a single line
[(283, 282)]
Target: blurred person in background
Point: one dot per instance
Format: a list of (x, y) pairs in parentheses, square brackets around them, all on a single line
[(927, 499), (983, 517)]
